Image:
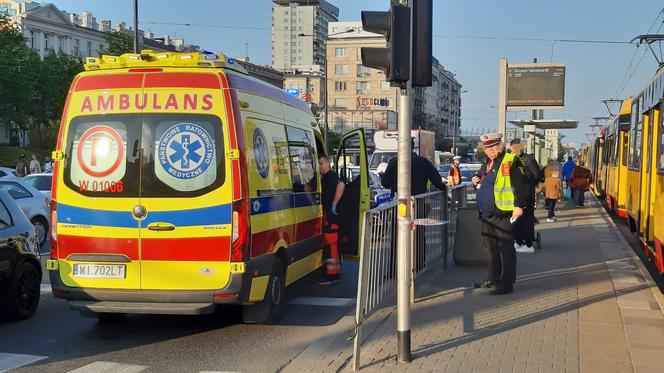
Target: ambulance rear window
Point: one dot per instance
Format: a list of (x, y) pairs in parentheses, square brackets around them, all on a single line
[(151, 155)]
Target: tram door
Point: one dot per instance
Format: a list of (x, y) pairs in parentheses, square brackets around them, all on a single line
[(649, 119)]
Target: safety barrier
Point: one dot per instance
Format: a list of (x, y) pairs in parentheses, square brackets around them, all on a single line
[(377, 272)]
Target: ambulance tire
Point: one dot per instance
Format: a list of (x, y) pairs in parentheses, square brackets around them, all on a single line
[(271, 309)]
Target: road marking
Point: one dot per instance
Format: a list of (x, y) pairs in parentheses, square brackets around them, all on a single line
[(46, 288), (320, 301), (108, 367), (13, 361)]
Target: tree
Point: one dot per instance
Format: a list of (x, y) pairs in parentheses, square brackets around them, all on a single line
[(119, 42), (333, 141), (19, 67)]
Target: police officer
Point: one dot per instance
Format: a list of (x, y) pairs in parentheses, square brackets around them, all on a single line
[(454, 175), (502, 195)]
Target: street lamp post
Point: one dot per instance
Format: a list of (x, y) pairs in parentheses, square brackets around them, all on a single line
[(135, 26), (325, 105)]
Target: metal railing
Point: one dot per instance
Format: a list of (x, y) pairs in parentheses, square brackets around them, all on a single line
[(377, 272)]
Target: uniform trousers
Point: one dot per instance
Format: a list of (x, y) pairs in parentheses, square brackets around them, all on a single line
[(498, 240)]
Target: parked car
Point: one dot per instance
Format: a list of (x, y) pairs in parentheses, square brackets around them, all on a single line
[(41, 182), (7, 172), (20, 269), (378, 194), (33, 203)]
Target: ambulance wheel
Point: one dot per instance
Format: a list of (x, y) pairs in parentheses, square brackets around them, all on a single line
[(271, 309)]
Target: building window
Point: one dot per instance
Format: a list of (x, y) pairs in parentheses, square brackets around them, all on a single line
[(341, 103), (32, 39), (89, 48), (385, 86), (341, 69), (359, 54), (46, 36), (363, 87), (340, 86), (363, 71), (61, 42), (340, 52), (77, 47)]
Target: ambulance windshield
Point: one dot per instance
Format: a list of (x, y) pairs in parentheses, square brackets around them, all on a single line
[(151, 155)]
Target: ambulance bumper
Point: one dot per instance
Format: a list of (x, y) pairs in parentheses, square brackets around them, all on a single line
[(170, 302)]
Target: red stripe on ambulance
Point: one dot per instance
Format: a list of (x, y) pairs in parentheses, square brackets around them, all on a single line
[(204, 249)]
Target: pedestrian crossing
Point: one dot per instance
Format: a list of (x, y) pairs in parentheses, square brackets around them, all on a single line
[(14, 361)]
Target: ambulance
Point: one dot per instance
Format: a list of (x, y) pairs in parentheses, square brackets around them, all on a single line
[(182, 183)]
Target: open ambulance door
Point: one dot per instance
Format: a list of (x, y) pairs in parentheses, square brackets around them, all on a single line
[(352, 166)]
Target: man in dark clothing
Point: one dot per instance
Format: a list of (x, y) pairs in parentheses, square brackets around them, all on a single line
[(421, 172), (525, 227), (332, 191), (579, 180), (22, 166), (503, 193)]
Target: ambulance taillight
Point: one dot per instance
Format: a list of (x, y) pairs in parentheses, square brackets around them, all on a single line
[(241, 231), (54, 229)]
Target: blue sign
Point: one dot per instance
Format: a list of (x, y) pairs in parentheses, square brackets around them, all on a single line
[(293, 92), (261, 153), (186, 150)]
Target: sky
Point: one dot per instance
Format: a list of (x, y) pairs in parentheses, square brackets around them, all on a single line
[(470, 37)]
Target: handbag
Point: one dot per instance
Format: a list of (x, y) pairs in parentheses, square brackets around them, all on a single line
[(567, 194)]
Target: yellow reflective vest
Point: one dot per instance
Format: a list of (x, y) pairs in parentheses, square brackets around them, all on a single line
[(503, 193)]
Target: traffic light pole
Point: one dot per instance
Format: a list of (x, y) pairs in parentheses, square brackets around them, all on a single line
[(404, 264)]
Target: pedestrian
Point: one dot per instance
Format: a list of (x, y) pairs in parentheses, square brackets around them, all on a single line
[(22, 166), (553, 191), (568, 167), (454, 174), (48, 164), (502, 195), (579, 181), (422, 172), (35, 167), (525, 227), (332, 191)]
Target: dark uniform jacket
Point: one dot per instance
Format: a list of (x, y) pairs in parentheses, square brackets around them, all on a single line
[(520, 183), (421, 171)]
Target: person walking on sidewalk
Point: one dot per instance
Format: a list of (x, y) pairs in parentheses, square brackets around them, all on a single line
[(553, 191), (454, 175), (568, 167), (35, 167), (502, 195), (525, 227), (332, 191), (579, 181)]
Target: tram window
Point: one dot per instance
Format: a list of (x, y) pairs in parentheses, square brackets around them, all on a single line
[(660, 159), (625, 149), (636, 137)]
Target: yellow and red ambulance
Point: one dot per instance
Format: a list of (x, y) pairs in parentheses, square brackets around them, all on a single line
[(181, 183)]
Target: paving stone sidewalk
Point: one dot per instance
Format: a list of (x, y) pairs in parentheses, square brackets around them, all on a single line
[(582, 303)]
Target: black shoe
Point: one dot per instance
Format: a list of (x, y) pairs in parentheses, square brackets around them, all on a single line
[(485, 284), (501, 291), (327, 281)]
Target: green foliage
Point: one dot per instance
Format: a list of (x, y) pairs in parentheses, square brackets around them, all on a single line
[(33, 92), (119, 42), (18, 74)]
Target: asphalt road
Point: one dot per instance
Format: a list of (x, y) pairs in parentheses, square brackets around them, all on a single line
[(57, 339)]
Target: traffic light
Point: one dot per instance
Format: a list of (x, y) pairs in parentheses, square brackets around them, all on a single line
[(394, 60), (422, 51)]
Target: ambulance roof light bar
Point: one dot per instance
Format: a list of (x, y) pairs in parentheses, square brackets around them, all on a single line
[(149, 58)]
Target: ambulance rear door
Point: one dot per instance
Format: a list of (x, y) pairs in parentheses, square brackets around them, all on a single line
[(186, 190)]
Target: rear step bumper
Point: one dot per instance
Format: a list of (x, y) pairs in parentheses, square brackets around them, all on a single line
[(93, 307)]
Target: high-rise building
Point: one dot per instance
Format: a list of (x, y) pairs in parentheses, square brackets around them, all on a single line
[(360, 97), (290, 18)]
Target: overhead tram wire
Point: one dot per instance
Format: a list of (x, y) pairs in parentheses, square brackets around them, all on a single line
[(636, 68), (208, 26), (623, 83)]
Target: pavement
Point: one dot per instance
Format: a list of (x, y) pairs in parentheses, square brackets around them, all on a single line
[(583, 303)]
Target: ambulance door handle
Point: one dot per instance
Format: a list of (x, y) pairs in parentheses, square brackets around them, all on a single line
[(161, 227)]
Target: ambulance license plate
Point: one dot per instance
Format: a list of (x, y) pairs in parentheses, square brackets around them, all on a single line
[(100, 270)]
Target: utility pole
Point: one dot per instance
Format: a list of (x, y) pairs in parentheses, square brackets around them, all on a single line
[(136, 26)]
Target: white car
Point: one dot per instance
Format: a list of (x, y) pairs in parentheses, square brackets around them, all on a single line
[(7, 172), (41, 182), (32, 202)]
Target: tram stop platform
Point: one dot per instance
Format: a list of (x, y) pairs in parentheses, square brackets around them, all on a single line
[(583, 303)]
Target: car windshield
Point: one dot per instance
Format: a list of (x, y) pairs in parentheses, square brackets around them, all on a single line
[(382, 157), (42, 182)]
